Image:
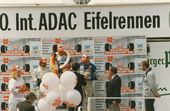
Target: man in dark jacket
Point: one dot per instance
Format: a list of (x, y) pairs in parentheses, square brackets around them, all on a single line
[(27, 104), (80, 82), (113, 90)]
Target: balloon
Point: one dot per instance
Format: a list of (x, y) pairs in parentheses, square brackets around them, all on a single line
[(54, 98), (72, 98), (50, 81), (62, 89), (68, 80), (43, 89), (44, 106)]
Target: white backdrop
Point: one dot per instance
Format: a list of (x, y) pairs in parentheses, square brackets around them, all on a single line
[(79, 15)]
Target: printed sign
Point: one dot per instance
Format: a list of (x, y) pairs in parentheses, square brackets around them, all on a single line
[(20, 47), (125, 64), (128, 45), (26, 64), (75, 46)]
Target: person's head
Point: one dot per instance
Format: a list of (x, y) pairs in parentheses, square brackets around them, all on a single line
[(75, 66), (43, 62), (112, 70), (14, 75), (85, 59), (145, 65), (60, 49), (17, 70), (31, 97)]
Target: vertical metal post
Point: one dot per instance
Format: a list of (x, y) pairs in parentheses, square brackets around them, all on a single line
[(88, 104)]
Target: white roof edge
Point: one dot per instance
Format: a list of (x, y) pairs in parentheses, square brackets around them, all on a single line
[(125, 3), (71, 4)]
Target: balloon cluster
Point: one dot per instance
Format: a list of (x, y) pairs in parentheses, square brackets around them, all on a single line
[(56, 91)]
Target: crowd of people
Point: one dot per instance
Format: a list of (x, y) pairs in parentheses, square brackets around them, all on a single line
[(86, 72)]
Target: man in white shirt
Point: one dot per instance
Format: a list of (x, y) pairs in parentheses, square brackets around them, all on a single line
[(149, 86), (38, 74)]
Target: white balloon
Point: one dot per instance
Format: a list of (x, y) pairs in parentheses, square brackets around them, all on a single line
[(43, 90), (54, 98), (62, 89), (50, 81), (72, 98), (44, 106), (68, 80)]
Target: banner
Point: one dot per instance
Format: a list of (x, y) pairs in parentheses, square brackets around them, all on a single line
[(80, 21), (159, 59)]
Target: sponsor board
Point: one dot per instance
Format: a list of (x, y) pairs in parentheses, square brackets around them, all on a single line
[(125, 105), (20, 47), (75, 46), (131, 84), (125, 64), (25, 63), (127, 45)]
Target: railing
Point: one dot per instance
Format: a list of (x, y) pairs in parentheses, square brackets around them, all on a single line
[(98, 103), (129, 103)]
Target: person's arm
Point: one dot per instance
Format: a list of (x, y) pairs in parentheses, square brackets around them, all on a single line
[(117, 88), (95, 73), (70, 64), (152, 83), (83, 81), (34, 77), (71, 61), (22, 81), (17, 105), (12, 86)]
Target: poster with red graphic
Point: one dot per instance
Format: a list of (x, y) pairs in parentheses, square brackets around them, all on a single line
[(131, 84), (120, 45), (126, 64), (26, 64), (75, 46), (99, 104), (20, 47)]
